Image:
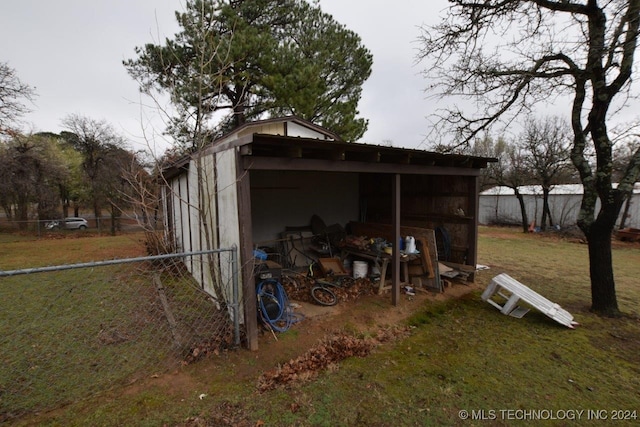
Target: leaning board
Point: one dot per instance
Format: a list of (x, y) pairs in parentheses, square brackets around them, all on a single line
[(386, 232)]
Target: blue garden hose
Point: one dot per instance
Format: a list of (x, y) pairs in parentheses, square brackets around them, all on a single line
[(274, 307)]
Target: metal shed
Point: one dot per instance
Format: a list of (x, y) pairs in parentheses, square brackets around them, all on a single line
[(243, 188), (500, 205)]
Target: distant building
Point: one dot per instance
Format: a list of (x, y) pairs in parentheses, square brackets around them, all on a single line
[(499, 205)]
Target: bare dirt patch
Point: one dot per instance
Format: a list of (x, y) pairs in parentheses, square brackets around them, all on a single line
[(330, 332)]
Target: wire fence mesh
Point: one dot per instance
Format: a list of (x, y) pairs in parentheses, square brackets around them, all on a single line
[(62, 227), (69, 332)]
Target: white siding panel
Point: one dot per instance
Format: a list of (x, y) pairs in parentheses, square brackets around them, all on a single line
[(633, 218), (208, 200), (193, 264), (227, 197), (227, 193), (207, 231), (267, 128), (294, 129)]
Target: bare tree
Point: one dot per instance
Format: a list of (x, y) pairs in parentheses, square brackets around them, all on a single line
[(12, 94), (548, 141), (511, 170), (96, 141), (511, 55), (31, 172)]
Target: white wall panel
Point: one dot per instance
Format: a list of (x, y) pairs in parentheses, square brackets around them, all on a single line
[(227, 203), (294, 129), (280, 199)]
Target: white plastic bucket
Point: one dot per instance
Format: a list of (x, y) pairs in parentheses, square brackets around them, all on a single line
[(360, 269), (410, 245)]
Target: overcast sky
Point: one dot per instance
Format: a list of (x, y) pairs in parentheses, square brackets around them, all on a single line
[(72, 52)]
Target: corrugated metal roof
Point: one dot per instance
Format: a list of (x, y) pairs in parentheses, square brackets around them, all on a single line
[(536, 190)]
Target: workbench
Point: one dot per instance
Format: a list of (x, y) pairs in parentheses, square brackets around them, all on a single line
[(381, 262)]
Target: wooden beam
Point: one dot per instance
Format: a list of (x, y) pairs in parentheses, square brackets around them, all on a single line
[(338, 155), (474, 211), (395, 262), (279, 163), (245, 252), (295, 152)]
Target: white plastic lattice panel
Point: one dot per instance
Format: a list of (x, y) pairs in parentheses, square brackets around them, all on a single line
[(513, 291)]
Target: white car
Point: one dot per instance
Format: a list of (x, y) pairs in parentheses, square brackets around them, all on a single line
[(70, 223)]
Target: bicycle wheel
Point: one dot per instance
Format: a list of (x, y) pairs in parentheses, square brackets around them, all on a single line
[(323, 296)]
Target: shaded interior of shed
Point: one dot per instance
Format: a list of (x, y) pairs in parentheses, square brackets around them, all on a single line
[(284, 202)]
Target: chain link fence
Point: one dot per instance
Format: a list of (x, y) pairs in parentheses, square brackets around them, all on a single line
[(60, 227), (72, 331)]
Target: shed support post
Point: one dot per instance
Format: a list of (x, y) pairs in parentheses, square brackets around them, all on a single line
[(395, 257), (472, 235), (246, 258)]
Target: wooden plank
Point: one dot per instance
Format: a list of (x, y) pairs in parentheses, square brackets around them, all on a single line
[(332, 266), (395, 235), (426, 257), (245, 257), (464, 271), (280, 163), (385, 231)]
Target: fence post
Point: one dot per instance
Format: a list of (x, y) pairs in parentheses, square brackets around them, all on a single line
[(236, 297)]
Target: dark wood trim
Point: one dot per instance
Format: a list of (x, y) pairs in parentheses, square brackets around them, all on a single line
[(280, 163), (395, 258), (280, 151), (474, 206), (245, 256)]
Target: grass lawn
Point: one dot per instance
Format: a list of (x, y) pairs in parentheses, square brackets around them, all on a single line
[(17, 252), (462, 363)]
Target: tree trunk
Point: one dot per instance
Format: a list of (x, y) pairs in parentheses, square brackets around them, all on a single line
[(22, 212), (96, 210), (603, 290), (523, 210), (97, 214), (113, 220), (546, 210), (598, 234)]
